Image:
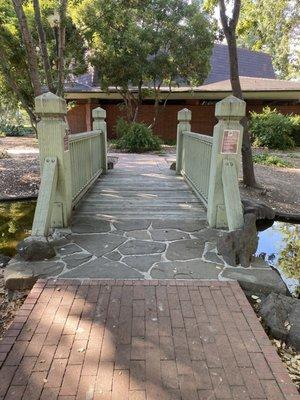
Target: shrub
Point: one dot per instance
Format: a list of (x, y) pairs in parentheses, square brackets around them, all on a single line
[(272, 129), (136, 137), (15, 130), (295, 120), (268, 159)]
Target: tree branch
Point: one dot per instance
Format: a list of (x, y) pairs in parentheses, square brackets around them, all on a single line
[(235, 14), (61, 47), (29, 46), (223, 17), (43, 45)]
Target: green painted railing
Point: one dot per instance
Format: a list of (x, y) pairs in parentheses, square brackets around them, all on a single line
[(210, 164), (196, 156), (86, 163), (69, 163)]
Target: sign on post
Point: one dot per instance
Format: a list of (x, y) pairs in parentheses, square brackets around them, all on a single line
[(230, 142)]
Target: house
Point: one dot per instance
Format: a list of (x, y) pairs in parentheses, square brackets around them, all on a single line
[(259, 84)]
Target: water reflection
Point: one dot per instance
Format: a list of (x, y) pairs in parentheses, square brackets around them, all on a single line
[(279, 245), (15, 224)]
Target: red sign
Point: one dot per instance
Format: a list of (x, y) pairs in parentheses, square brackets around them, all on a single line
[(230, 141)]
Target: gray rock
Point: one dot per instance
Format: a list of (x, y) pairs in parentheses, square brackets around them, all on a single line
[(195, 269), (19, 280), (104, 269), (74, 260), (208, 235), (35, 248), (213, 257), (132, 224), (89, 224), (69, 248), (114, 255), (183, 225), (258, 262), (237, 247), (23, 275), (136, 247), (281, 314), (143, 262), (256, 280), (260, 209), (4, 260), (168, 234), (173, 166), (185, 249), (99, 244), (142, 235)]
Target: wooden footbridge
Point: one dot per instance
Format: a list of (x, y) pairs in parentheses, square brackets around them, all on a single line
[(71, 166)]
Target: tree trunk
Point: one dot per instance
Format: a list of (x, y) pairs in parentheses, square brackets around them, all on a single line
[(61, 47), (29, 46), (229, 28), (43, 45)]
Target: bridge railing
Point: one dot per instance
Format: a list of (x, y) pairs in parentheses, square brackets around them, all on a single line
[(69, 163), (211, 164)]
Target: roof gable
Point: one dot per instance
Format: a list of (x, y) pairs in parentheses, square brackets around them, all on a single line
[(251, 63)]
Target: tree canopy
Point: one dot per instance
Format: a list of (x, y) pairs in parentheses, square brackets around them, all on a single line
[(146, 44), (23, 58), (275, 30)]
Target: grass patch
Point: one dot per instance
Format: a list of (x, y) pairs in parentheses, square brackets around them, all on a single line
[(268, 159)]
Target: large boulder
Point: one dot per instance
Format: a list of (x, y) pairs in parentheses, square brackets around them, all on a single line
[(281, 314), (237, 247), (260, 209), (35, 248)]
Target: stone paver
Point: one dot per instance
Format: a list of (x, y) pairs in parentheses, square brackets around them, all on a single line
[(125, 340)]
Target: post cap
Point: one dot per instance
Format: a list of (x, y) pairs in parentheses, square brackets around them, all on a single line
[(49, 103), (99, 113), (231, 106), (184, 115)]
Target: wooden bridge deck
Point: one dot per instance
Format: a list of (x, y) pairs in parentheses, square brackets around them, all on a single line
[(141, 187)]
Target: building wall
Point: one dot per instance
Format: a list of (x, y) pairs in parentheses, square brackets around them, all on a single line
[(203, 119)]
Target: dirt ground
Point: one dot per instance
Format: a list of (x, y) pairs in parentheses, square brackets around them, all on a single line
[(280, 187), (20, 172)]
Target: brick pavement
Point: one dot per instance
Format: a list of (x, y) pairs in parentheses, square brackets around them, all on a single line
[(137, 340)]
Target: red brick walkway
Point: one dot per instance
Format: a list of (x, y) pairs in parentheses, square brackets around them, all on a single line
[(140, 340)]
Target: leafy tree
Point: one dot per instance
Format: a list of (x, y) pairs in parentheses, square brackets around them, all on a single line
[(146, 44), (229, 25), (275, 30), (33, 52)]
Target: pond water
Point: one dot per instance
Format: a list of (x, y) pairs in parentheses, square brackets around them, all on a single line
[(279, 245), (15, 224)]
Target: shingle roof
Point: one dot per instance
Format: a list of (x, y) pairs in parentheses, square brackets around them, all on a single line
[(250, 84), (251, 63)]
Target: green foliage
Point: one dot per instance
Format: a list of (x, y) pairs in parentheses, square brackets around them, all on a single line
[(145, 43), (271, 129), (289, 259), (136, 138), (269, 159), (274, 30), (15, 130), (15, 55), (295, 120)]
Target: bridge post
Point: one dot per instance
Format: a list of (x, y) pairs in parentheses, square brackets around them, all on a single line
[(53, 142), (99, 124), (224, 204), (184, 118)]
